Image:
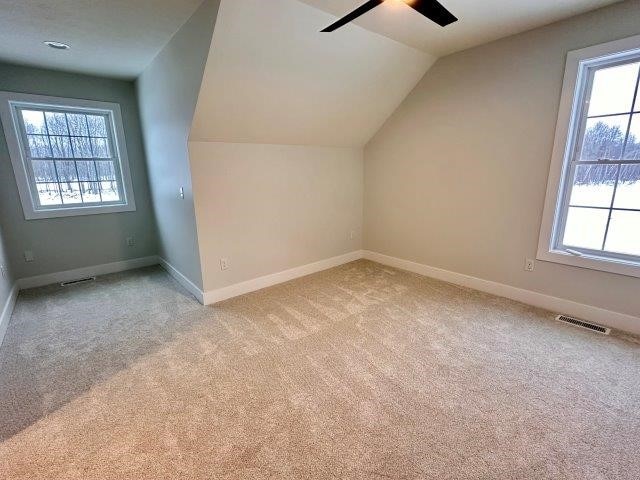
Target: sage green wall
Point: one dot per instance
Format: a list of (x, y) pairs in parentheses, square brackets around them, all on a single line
[(74, 242), (167, 94), (6, 280)]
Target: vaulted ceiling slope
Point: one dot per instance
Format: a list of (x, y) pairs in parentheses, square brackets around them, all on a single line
[(272, 77), (114, 38), (480, 21)]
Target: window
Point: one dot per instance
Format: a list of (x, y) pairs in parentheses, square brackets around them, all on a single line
[(69, 156), (592, 213)]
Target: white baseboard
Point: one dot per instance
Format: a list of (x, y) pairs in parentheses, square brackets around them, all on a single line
[(182, 280), (215, 296), (7, 310), (95, 270), (617, 320)]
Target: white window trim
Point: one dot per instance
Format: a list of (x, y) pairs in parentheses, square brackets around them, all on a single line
[(14, 142), (577, 61)]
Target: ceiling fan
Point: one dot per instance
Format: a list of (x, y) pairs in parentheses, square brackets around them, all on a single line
[(431, 9)]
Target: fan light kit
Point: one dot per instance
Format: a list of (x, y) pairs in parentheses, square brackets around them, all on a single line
[(431, 9)]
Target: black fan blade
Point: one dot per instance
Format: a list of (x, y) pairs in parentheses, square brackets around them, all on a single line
[(433, 11), (361, 10)]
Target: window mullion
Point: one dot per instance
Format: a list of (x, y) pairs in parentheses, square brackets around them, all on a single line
[(613, 198), (633, 103), (95, 169), (75, 162), (55, 166), (86, 122), (604, 161)]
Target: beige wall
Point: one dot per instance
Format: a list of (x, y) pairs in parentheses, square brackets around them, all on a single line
[(269, 208), (273, 77), (456, 178)]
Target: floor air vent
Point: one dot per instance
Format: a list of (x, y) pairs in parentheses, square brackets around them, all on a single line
[(80, 280), (583, 324)]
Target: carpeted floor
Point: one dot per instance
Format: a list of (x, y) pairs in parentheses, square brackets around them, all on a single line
[(361, 371)]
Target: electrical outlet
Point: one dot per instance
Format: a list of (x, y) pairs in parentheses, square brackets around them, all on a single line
[(131, 241), (182, 193), (529, 265), (224, 264), (2, 270), (28, 256), (352, 235)]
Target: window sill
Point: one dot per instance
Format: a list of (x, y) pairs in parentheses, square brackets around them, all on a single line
[(609, 265), (77, 211)]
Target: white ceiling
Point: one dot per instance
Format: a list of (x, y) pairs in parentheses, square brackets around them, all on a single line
[(272, 77), (117, 38), (480, 21), (120, 37)]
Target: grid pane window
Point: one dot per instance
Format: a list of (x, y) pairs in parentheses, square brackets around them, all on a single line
[(69, 156), (601, 210), (72, 158)]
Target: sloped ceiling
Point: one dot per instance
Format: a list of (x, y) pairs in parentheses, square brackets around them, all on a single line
[(479, 21), (272, 77)]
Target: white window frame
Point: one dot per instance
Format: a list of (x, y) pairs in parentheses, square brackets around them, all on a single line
[(568, 128), (12, 124)]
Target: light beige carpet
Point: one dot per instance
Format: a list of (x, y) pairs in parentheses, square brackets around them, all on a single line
[(361, 371)]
